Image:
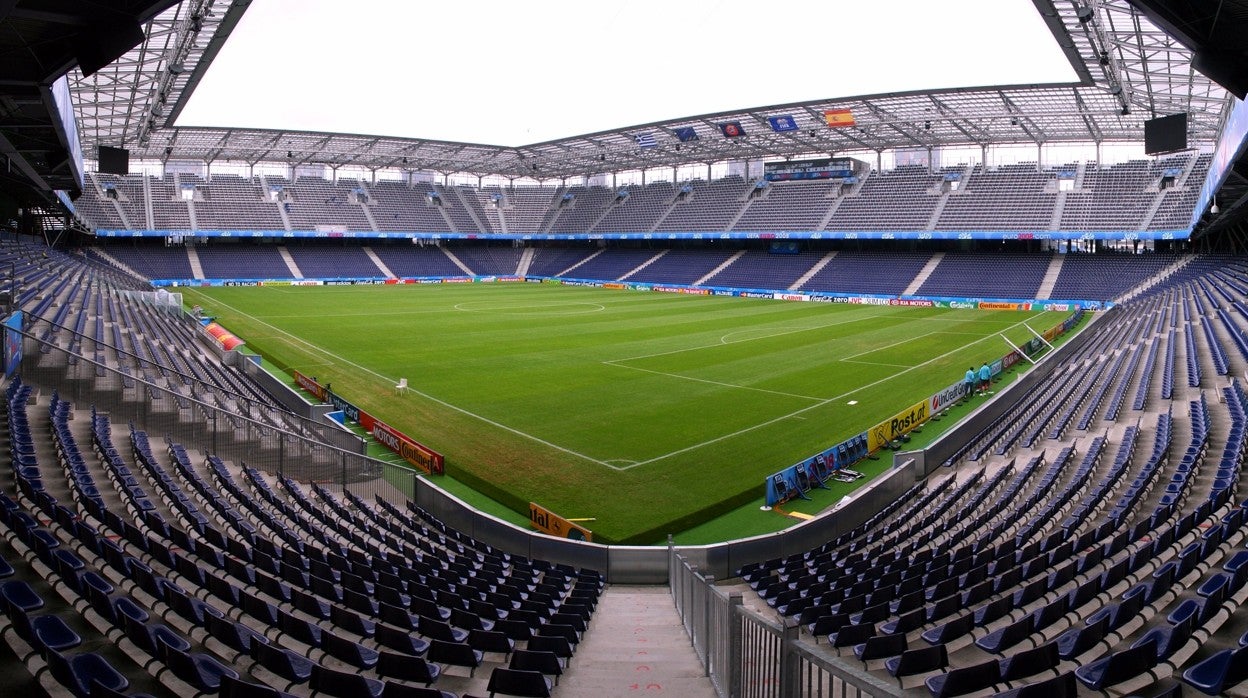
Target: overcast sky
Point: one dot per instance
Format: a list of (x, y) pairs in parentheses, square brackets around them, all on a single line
[(515, 73)]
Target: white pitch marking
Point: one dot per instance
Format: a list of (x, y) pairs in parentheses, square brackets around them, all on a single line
[(874, 363), (537, 308), (391, 381), (704, 380), (723, 340), (656, 458), (888, 346), (808, 408)]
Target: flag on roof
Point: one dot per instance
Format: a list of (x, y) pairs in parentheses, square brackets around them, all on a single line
[(646, 140), (685, 134), (839, 118), (731, 129), (782, 123)]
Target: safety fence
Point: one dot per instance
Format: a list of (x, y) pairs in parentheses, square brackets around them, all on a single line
[(196, 421), (49, 336), (747, 655)]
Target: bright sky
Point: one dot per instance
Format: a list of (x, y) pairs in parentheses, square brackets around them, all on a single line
[(515, 73)]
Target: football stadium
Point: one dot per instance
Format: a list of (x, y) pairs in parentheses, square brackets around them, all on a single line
[(844, 391)]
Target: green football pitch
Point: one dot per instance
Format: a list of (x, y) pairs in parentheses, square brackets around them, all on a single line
[(648, 412)]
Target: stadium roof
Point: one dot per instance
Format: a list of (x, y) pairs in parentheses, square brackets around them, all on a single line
[(1129, 71)]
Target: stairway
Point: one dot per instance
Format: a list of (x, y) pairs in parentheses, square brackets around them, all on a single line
[(458, 193), (1147, 221), (740, 212), (1050, 276), (526, 260), (812, 271), (567, 271), (940, 208), (1080, 170), (368, 211), (925, 272), (190, 203), (643, 265), (827, 217), (636, 645), (1059, 206), (118, 263), (385, 270), (192, 256), (290, 262), (666, 212), (1181, 181), (711, 274), (458, 262)]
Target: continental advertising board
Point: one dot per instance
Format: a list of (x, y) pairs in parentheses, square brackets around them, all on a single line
[(410, 450)]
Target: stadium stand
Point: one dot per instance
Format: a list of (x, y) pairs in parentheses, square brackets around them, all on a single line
[(1115, 553), (228, 202), (790, 206), (1095, 558), (888, 273), (639, 210), (972, 274), (1023, 189), (705, 206), (1021, 197), (898, 200)]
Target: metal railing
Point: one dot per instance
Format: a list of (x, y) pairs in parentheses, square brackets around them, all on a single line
[(209, 428), (747, 655), (190, 385)]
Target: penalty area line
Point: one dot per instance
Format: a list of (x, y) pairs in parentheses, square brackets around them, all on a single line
[(804, 410)]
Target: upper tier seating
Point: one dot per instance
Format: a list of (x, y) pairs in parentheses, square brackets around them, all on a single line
[(909, 198)]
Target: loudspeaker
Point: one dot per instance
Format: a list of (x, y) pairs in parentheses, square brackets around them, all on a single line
[(114, 160), (105, 43)]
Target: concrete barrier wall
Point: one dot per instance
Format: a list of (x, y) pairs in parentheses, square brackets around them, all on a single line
[(627, 564)]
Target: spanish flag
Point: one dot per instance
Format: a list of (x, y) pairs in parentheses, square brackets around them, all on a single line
[(838, 118)]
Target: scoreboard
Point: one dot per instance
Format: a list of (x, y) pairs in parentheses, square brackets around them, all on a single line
[(824, 168)]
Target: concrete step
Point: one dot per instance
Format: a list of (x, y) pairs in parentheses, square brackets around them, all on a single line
[(636, 645)]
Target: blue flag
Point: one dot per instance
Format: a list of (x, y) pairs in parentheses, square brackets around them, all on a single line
[(782, 123), (685, 134)]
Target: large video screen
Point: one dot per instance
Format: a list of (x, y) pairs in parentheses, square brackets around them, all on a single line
[(1165, 134), (823, 168)]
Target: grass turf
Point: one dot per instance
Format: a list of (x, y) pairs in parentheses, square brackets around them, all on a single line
[(649, 412)]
